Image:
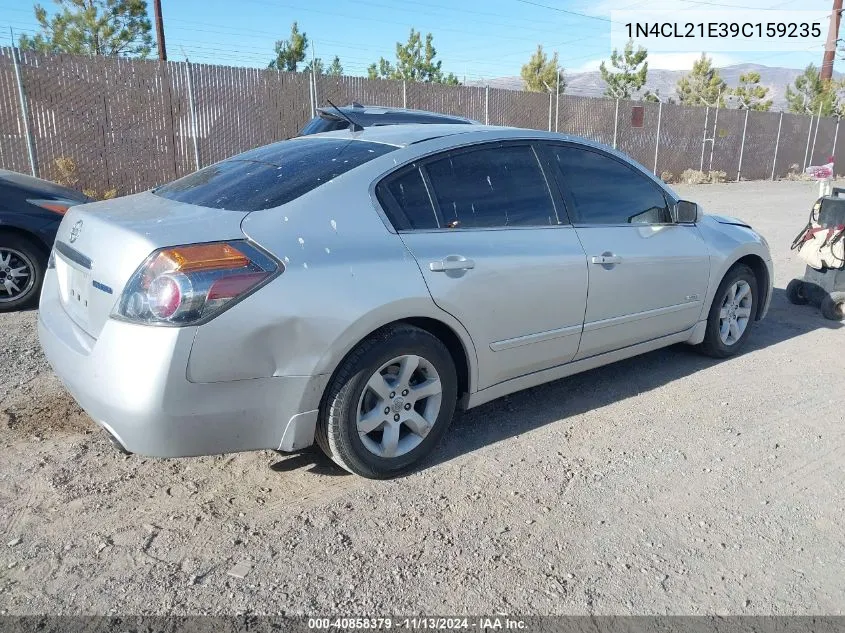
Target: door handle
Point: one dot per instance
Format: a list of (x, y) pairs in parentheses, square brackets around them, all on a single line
[(606, 259), (452, 262)]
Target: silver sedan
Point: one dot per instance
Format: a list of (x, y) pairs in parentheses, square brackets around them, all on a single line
[(353, 288)]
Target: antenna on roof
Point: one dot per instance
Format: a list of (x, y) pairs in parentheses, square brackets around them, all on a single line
[(355, 127)]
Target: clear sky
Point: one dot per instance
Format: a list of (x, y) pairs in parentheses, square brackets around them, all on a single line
[(476, 39)]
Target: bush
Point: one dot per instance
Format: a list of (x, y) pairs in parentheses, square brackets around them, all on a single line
[(66, 172), (667, 177), (693, 177), (67, 175), (796, 173), (697, 177), (106, 195)]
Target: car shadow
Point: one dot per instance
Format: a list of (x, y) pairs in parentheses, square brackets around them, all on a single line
[(23, 310), (311, 459), (532, 408)]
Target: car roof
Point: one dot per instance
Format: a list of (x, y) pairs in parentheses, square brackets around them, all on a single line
[(368, 110), (413, 133), (402, 135)]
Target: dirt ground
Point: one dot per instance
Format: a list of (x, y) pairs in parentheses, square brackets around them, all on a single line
[(665, 484)]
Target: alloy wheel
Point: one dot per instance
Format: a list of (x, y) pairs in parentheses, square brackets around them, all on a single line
[(17, 274), (735, 312), (399, 406)]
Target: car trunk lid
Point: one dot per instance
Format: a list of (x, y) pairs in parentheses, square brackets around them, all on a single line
[(100, 245)]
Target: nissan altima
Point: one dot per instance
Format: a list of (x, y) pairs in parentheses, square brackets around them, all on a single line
[(353, 288)]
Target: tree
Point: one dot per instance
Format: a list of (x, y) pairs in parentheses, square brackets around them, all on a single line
[(317, 65), (633, 70), (810, 94), (93, 27), (750, 94), (291, 51), (414, 62), (540, 74), (655, 97), (382, 69), (702, 86), (335, 68)]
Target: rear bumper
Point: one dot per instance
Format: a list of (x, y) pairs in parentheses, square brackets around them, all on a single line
[(132, 381)]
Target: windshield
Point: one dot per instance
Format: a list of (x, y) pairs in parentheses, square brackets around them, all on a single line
[(273, 175)]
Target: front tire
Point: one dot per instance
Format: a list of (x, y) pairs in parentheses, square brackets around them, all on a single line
[(389, 403), (733, 311), (22, 266)]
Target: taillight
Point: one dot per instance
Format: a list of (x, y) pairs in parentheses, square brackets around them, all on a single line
[(56, 206), (185, 285)]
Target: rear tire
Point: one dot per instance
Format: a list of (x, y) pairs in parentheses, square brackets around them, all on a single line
[(797, 293), (833, 306), (734, 309), (389, 403), (22, 266)]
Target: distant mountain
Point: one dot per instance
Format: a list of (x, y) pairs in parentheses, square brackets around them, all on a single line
[(590, 84)]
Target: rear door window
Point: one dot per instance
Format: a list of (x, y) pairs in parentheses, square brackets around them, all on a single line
[(273, 175), (498, 186)]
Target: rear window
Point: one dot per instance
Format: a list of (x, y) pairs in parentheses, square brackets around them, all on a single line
[(323, 124), (272, 175)]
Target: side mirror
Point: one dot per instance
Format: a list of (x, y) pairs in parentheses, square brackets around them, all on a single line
[(685, 212)]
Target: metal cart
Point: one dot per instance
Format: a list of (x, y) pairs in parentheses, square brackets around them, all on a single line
[(824, 288)]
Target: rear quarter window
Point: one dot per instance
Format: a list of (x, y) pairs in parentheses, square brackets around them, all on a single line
[(273, 175)]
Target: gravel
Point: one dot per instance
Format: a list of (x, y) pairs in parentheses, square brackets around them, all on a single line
[(666, 484)]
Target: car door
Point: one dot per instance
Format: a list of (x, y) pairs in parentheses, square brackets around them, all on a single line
[(648, 276), (496, 252)]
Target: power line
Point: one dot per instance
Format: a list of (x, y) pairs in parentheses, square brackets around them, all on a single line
[(738, 6), (370, 19), (567, 11), (467, 11), (225, 30), (474, 12), (258, 56), (234, 53)]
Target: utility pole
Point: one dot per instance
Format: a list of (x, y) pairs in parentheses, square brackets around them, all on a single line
[(557, 92), (314, 102), (832, 38), (162, 49)]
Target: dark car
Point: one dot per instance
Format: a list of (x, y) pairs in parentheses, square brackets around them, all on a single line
[(329, 119), (30, 212)]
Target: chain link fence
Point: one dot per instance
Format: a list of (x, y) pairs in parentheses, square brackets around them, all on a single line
[(128, 125)]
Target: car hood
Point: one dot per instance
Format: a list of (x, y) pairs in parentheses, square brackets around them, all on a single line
[(727, 219), (727, 232)]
